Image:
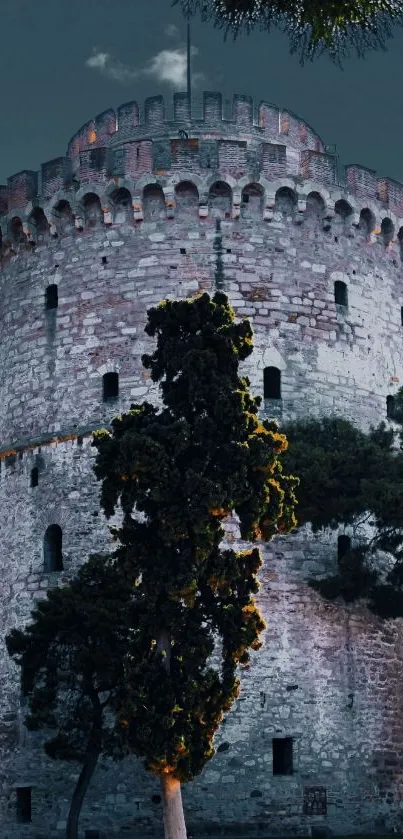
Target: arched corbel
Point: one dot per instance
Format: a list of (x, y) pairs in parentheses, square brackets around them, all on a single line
[(301, 208), (270, 203), (236, 203), (170, 204), (108, 215), (137, 207), (203, 203)]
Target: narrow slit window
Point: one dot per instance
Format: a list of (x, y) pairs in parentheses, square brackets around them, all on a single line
[(110, 386), (282, 756), (34, 476), (390, 405), (24, 805), (271, 383), (340, 293), (52, 549), (343, 546), (401, 315), (51, 296)]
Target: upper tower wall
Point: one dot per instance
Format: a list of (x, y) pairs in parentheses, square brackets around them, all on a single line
[(242, 140), (158, 137)]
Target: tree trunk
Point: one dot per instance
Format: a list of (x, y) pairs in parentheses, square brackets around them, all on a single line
[(82, 785), (172, 808)]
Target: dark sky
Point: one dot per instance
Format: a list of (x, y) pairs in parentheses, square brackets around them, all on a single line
[(49, 90)]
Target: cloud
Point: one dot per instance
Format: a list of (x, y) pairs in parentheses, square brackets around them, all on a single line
[(167, 67), (171, 31), (105, 64)]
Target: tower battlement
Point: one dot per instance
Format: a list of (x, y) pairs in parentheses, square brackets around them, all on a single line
[(260, 143)]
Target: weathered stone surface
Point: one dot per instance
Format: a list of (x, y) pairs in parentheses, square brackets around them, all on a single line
[(328, 676)]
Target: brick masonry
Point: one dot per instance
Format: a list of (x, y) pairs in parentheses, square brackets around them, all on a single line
[(137, 212)]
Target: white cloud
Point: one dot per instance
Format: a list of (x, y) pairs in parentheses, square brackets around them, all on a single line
[(171, 31), (167, 66)]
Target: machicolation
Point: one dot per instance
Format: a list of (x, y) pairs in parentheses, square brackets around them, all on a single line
[(145, 207)]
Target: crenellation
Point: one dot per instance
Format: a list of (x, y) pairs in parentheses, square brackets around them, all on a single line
[(182, 109), (154, 110), (361, 181), (21, 188), (128, 117), (242, 111), (318, 166), (105, 126)]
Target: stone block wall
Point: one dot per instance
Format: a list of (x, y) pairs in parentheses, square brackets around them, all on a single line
[(113, 246)]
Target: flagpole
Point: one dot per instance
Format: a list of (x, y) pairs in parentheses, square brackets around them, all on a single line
[(189, 89)]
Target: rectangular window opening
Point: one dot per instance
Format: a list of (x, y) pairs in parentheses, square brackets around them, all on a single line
[(24, 804), (282, 756)]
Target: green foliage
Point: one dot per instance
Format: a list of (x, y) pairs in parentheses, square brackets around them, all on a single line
[(354, 580), (314, 27), (343, 472), (71, 655), (181, 471), (346, 476)]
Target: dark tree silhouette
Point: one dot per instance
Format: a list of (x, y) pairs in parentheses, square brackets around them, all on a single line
[(72, 658), (181, 471), (333, 27)]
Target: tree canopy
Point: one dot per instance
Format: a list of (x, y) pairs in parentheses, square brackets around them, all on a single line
[(315, 27), (71, 656), (178, 473), (348, 477), (153, 634)]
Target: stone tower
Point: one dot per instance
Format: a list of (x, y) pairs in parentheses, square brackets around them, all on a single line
[(148, 205)]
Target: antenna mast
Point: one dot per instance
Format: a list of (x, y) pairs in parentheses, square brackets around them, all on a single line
[(189, 88)]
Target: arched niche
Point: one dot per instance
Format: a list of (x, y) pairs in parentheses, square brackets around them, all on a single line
[(39, 224), (342, 217), (16, 231), (93, 214), (220, 200), (154, 208), (343, 209), (63, 216), (315, 209), (285, 201), (122, 206), (366, 223), (252, 201), (387, 231), (187, 200)]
